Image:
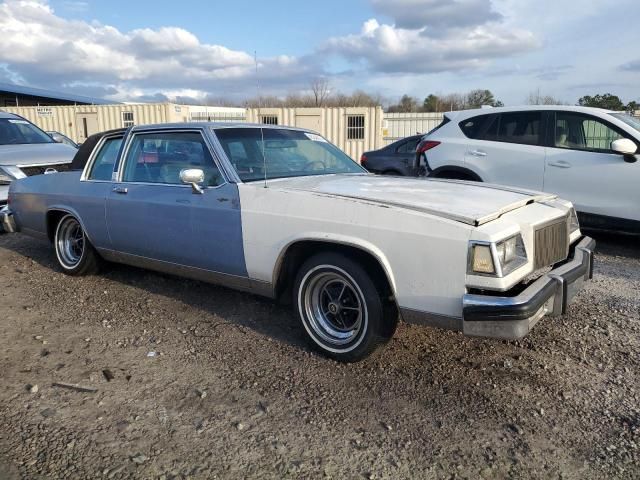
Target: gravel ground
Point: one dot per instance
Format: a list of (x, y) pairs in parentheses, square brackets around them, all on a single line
[(232, 390)]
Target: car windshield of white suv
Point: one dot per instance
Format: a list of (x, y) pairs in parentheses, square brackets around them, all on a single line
[(287, 153), (633, 122), (16, 131)]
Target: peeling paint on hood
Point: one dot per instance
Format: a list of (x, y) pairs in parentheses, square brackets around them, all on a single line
[(467, 202)]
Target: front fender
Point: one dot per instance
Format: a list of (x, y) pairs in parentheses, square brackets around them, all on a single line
[(331, 238)]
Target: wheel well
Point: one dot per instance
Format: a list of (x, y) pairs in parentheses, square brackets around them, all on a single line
[(53, 218), (299, 252), (455, 173), (391, 171)]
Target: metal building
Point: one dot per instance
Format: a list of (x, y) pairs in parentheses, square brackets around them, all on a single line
[(354, 130), (12, 95)]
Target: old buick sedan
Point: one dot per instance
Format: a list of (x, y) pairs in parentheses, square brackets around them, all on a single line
[(283, 213)]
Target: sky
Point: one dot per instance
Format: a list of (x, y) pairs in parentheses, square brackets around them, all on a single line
[(197, 50)]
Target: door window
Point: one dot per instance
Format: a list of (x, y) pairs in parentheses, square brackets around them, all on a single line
[(103, 165), (408, 146), (520, 127), (159, 157), (577, 131)]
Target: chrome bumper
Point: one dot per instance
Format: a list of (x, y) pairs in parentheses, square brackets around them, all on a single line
[(513, 317), (7, 222)]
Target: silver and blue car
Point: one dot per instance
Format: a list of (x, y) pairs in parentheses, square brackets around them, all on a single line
[(283, 213)]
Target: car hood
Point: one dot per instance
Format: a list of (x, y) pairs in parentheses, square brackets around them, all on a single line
[(468, 202), (36, 154)]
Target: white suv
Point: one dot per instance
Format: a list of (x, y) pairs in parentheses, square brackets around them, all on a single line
[(586, 155)]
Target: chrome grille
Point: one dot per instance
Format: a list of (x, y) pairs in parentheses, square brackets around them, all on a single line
[(30, 171), (551, 244)]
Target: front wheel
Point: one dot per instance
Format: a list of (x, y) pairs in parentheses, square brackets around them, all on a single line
[(340, 307), (75, 254)]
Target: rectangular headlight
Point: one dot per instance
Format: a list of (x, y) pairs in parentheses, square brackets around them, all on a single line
[(499, 259), (511, 254)]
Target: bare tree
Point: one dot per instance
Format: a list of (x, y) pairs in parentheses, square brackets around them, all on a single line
[(536, 98), (320, 89)]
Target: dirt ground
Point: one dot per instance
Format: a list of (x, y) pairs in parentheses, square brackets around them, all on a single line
[(233, 391)]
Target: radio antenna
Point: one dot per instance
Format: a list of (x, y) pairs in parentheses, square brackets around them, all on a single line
[(264, 157)]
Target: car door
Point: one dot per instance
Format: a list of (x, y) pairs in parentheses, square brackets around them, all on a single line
[(151, 214), (404, 154), (507, 148), (582, 168)]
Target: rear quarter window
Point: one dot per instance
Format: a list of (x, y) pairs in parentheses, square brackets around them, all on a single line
[(476, 127)]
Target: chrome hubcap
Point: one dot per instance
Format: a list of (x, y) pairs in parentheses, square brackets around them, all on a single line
[(334, 307), (70, 242)]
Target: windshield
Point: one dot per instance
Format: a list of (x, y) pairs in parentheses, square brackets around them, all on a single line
[(287, 153), (16, 131), (633, 122)]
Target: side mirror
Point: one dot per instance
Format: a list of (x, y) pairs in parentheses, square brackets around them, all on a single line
[(625, 147), (193, 177)]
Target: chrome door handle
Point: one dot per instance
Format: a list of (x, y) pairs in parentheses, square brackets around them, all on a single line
[(560, 164), (478, 153), (121, 190)]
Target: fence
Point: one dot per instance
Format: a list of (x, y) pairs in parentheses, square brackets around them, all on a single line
[(401, 125)]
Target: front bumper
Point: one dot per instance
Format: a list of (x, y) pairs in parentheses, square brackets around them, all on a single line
[(7, 221), (513, 317)]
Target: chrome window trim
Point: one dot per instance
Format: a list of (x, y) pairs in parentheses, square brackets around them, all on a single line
[(119, 174), (232, 175), (92, 158)]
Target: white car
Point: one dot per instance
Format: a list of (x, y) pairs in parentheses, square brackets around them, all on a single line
[(283, 213), (586, 155)]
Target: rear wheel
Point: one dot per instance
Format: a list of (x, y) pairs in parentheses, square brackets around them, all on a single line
[(340, 306), (76, 256)]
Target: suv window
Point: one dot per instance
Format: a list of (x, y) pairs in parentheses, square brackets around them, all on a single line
[(578, 131), (103, 165), (520, 127), (475, 127), (159, 157)]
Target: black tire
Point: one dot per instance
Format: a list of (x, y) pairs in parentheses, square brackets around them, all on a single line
[(332, 321), (75, 254), (395, 173)]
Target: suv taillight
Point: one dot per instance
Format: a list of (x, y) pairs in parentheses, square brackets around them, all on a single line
[(426, 145), (363, 159)]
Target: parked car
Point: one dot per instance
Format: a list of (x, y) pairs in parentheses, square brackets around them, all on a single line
[(281, 212), (586, 155), (26, 150), (61, 138), (396, 158)]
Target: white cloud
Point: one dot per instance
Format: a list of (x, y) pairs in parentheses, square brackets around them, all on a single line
[(392, 49), (45, 49)]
